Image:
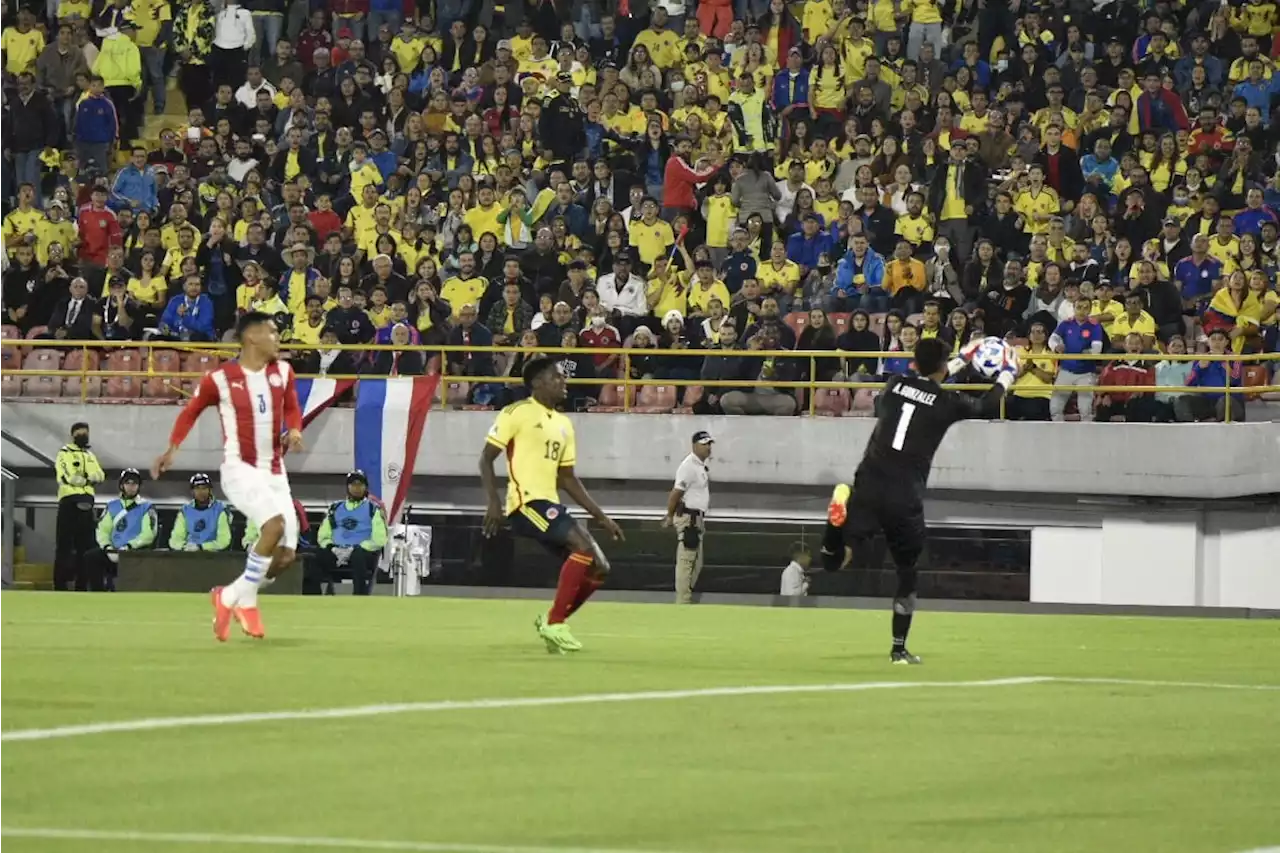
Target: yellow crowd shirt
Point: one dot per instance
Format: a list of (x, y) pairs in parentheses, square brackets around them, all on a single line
[(1028, 204), (21, 50), (720, 216), (784, 279), (1030, 386), (652, 241)]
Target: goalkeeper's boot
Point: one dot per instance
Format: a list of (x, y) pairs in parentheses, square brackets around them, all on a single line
[(250, 621), (221, 616), (902, 657), (838, 509), (559, 634), (539, 622)]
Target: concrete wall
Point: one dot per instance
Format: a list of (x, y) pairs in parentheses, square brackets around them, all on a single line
[(1156, 460), (1182, 558)]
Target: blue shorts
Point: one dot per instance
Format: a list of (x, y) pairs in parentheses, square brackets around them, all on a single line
[(545, 522)]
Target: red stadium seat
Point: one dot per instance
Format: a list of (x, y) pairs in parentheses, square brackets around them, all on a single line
[(10, 333), (10, 386), (1255, 375), (456, 394), (36, 331), (915, 319), (693, 394), (797, 320), (160, 387), (200, 362), (839, 323), (832, 402), (10, 358), (42, 359), (80, 359), (656, 399), (124, 387), (877, 324), (611, 398), (864, 403)]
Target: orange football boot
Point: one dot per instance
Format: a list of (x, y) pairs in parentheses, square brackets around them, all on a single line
[(250, 621), (221, 616), (838, 510)]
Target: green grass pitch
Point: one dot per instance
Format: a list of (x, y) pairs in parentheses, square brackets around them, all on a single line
[(1047, 766)]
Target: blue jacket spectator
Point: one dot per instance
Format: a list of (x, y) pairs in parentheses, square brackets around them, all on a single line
[(870, 266), (386, 161), (1105, 169), (135, 186), (1196, 277), (575, 217), (980, 70), (1212, 68), (1257, 93), (737, 268), (804, 246), (189, 315), (791, 86), (1249, 220), (1076, 337), (96, 121), (1215, 374)]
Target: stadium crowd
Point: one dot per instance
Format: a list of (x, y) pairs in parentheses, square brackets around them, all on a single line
[(1083, 176)]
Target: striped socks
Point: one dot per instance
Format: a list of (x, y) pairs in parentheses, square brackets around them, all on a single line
[(243, 591)]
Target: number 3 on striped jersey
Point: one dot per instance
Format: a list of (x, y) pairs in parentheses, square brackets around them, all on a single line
[(904, 421), (262, 403)]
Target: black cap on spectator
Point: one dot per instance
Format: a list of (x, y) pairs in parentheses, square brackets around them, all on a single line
[(622, 257), (577, 265), (703, 437)]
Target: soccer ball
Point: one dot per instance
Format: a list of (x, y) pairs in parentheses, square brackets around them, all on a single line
[(991, 356)]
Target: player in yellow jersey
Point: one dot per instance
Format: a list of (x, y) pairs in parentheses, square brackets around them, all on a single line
[(539, 445)]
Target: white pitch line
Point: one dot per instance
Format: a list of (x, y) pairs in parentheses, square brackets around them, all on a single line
[(154, 723), (279, 841)]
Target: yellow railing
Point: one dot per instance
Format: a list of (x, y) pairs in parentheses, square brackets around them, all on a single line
[(224, 350)]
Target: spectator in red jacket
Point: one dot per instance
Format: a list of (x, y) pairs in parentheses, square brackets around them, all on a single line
[(99, 229), (1133, 407), (680, 180)]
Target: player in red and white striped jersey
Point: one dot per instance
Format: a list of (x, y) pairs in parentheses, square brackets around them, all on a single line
[(256, 402)]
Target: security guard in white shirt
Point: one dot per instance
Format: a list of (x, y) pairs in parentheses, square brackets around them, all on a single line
[(687, 507)]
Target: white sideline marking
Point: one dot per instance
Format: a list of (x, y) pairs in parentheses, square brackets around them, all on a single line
[(153, 723), (285, 841)]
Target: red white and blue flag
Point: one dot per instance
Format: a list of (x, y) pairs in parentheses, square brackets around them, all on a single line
[(316, 395), (391, 415)]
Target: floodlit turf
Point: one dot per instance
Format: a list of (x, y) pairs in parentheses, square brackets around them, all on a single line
[(1032, 767)]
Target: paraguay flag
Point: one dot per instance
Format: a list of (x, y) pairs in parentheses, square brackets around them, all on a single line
[(316, 395), (390, 417)]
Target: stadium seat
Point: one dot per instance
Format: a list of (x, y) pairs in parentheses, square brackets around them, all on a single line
[(656, 399), (42, 359), (797, 320), (199, 362), (877, 324), (1255, 375), (82, 359), (36, 331), (456, 394), (840, 322), (831, 402), (10, 386), (693, 394), (611, 398), (10, 333), (124, 387), (160, 387), (864, 403), (915, 319), (11, 358)]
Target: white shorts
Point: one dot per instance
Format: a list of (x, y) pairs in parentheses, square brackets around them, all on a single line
[(261, 496)]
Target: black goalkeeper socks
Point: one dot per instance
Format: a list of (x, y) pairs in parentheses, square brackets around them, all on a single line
[(901, 627)]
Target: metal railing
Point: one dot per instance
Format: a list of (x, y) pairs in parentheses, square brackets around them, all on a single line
[(624, 379)]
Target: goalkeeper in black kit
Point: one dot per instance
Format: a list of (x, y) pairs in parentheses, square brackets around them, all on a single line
[(913, 414)]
